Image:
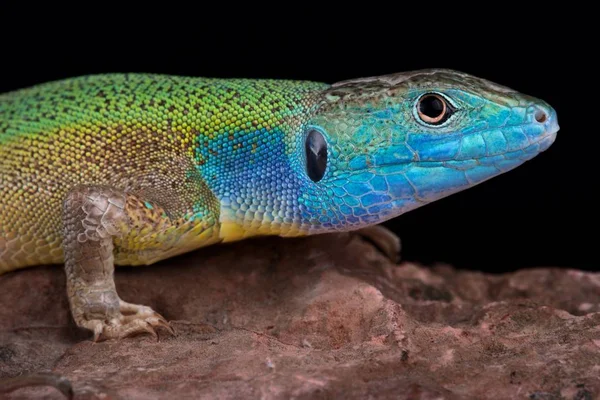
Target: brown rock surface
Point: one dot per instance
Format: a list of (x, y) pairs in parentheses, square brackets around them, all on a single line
[(321, 317)]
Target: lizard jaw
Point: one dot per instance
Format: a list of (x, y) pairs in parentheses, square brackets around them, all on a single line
[(374, 195)]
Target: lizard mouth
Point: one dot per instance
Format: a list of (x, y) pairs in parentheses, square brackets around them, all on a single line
[(533, 147), (519, 142), (525, 153), (503, 161)]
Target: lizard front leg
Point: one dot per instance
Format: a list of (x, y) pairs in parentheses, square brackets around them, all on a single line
[(93, 216)]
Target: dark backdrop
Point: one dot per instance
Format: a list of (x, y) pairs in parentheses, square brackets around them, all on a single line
[(541, 214)]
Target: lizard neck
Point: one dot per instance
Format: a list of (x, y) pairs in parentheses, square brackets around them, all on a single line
[(247, 150)]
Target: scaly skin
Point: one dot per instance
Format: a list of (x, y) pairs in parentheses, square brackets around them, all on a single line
[(130, 169)]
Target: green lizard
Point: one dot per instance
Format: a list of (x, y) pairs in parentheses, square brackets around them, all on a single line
[(130, 169)]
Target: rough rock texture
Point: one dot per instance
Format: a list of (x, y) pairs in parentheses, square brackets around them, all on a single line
[(322, 317)]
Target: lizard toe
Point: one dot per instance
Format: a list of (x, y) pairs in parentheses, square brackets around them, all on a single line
[(125, 330), (132, 312), (123, 326)]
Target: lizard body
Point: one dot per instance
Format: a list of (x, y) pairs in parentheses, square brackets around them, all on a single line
[(130, 169)]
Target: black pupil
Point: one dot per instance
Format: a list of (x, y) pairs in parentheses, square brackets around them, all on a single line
[(316, 155), (431, 106)]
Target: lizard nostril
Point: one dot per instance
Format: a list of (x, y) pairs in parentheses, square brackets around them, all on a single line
[(540, 116)]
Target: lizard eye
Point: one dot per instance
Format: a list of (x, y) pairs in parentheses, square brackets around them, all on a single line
[(316, 155), (433, 109)]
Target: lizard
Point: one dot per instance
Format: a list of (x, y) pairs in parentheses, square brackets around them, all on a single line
[(134, 168)]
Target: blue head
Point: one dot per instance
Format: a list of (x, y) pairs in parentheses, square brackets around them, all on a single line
[(378, 147)]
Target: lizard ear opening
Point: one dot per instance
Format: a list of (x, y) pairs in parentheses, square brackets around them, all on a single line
[(316, 155)]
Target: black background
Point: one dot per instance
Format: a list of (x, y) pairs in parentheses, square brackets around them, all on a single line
[(541, 214)]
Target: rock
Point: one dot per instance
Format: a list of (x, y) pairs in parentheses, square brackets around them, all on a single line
[(321, 317)]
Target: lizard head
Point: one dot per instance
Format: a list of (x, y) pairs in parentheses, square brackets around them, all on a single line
[(379, 147)]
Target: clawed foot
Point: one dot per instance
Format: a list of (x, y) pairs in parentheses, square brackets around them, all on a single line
[(385, 240), (130, 320)]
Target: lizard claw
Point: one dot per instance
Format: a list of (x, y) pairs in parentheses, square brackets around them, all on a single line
[(132, 320), (168, 327), (134, 312), (121, 331), (137, 327)]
